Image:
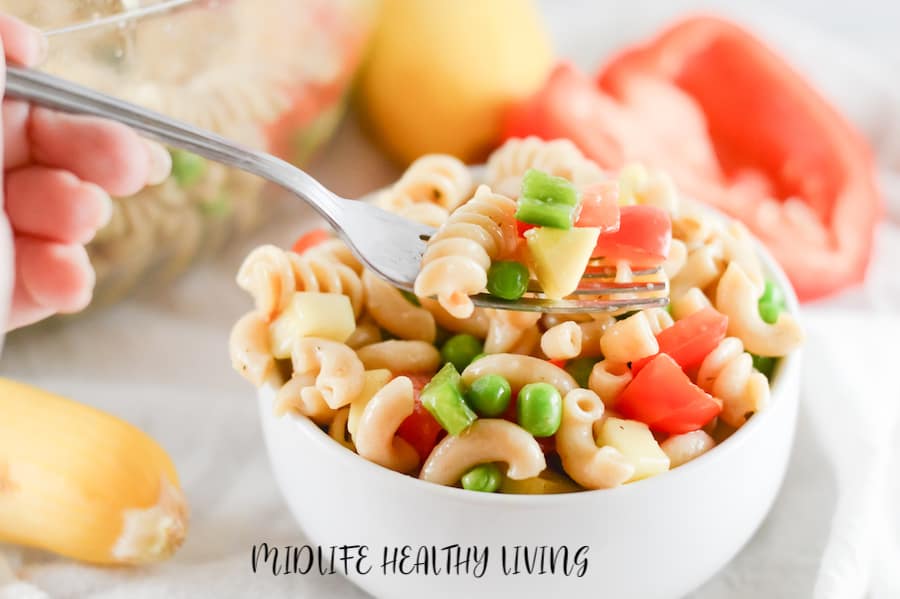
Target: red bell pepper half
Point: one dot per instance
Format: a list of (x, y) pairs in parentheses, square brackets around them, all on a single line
[(737, 128)]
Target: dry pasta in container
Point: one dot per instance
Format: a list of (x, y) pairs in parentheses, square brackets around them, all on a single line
[(270, 75)]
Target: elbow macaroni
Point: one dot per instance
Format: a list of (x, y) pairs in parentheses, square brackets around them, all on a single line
[(562, 341), (376, 434), (394, 313), (590, 466), (486, 440), (363, 391)]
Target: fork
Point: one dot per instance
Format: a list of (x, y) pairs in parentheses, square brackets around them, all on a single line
[(389, 245)]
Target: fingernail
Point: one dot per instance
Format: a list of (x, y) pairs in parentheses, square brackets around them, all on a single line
[(106, 208), (160, 163)]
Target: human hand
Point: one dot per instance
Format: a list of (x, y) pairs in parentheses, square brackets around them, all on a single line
[(58, 173)]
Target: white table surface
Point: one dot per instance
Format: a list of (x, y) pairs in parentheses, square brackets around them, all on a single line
[(160, 361)]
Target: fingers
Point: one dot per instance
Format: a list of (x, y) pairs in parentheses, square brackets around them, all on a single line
[(15, 133), (22, 43), (55, 205), (102, 152), (50, 277)]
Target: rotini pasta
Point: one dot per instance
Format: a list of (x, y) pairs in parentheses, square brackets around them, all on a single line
[(436, 179), (300, 395), (487, 440), (248, 344), (559, 157), (338, 372), (458, 256), (272, 276), (433, 387)]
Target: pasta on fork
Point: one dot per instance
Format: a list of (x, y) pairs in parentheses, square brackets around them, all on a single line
[(430, 386)]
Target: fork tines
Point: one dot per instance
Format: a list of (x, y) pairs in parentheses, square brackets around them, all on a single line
[(598, 292)]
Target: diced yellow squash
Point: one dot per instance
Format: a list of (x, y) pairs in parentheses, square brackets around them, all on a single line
[(312, 314), (560, 257), (375, 380), (547, 482), (634, 441)]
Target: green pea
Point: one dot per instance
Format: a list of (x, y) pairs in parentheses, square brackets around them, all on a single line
[(507, 279), (459, 350), (764, 364), (489, 395), (539, 409), (773, 294), (187, 168), (485, 478), (580, 369), (669, 308), (769, 312)]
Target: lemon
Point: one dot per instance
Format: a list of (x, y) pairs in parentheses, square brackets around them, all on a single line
[(441, 73)]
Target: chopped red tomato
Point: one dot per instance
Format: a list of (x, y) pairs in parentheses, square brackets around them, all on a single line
[(663, 397), (522, 227), (310, 239), (420, 429), (690, 339), (558, 363), (643, 238), (600, 207)]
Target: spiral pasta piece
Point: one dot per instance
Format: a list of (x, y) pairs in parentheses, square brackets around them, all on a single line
[(727, 373), (559, 157), (337, 370), (300, 395), (458, 256), (436, 179), (250, 350), (272, 276)]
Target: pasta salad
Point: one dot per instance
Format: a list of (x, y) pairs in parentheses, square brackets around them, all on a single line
[(429, 385)]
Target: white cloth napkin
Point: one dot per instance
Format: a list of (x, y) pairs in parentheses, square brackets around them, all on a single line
[(160, 361)]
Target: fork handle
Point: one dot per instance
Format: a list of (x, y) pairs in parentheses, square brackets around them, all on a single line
[(52, 92)]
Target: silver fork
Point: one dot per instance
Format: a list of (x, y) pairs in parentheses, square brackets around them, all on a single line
[(390, 245)]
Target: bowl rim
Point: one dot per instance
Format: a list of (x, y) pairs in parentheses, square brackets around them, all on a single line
[(788, 369)]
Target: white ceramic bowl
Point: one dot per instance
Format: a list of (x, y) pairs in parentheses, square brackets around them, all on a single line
[(657, 538)]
